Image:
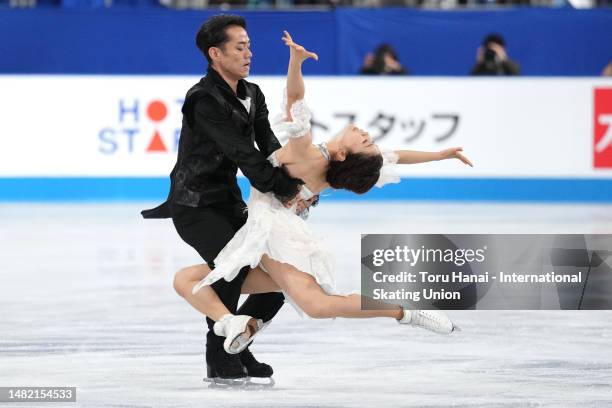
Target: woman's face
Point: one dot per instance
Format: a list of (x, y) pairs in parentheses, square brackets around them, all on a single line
[(356, 140)]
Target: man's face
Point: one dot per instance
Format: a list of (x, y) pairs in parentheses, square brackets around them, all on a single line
[(235, 55)]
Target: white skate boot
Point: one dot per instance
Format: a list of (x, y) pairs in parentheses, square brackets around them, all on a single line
[(239, 331), (434, 320)]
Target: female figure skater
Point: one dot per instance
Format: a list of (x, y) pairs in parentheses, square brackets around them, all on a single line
[(277, 243)]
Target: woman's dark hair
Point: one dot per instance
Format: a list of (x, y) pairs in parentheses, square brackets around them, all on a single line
[(358, 173), (212, 33)]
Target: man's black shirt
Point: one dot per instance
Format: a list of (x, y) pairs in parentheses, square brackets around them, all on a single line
[(218, 136)]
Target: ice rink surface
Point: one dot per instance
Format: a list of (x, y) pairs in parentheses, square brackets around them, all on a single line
[(87, 301)]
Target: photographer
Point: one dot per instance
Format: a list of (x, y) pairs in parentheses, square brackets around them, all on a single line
[(384, 61), (492, 58)]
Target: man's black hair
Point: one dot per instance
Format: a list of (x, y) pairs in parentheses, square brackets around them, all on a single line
[(213, 32)]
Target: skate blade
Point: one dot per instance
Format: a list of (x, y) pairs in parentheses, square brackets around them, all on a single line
[(242, 341), (245, 382), (259, 382), (216, 382), (456, 328)]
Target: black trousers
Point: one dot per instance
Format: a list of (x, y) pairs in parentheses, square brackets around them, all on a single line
[(208, 230)]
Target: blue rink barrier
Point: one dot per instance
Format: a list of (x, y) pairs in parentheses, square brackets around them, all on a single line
[(108, 189), (159, 41)]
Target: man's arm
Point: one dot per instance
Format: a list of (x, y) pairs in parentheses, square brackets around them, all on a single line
[(477, 69), (211, 120), (264, 136), (510, 67)]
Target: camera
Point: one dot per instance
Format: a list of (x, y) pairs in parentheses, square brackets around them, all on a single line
[(490, 56)]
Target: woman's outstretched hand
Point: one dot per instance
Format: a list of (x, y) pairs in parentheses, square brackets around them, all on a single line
[(455, 153), (297, 51)]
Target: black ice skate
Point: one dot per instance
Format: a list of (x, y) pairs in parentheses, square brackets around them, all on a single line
[(253, 367), (224, 369), (259, 374)]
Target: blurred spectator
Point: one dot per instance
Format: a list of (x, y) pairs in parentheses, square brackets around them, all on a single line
[(492, 58), (384, 61), (607, 71), (320, 3)]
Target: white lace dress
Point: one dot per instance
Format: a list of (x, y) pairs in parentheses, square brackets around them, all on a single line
[(274, 230)]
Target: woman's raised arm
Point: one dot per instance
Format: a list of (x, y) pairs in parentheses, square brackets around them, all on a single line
[(295, 81), (414, 156)]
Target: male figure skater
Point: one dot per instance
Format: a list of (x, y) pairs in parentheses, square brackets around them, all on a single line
[(223, 117)]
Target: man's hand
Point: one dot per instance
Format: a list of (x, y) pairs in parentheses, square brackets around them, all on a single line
[(368, 60), (297, 51), (304, 204), (499, 51), (288, 202), (299, 203), (301, 206), (391, 64), (480, 55), (455, 153)]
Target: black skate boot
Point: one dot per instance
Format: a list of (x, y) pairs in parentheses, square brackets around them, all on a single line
[(253, 367), (262, 372), (223, 368)]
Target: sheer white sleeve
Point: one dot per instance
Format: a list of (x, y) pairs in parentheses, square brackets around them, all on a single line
[(299, 127), (388, 172)]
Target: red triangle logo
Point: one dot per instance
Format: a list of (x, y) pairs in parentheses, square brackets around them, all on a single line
[(156, 144)]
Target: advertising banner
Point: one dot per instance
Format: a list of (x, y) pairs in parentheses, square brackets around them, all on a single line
[(128, 126)]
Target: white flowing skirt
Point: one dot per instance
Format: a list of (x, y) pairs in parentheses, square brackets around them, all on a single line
[(276, 231)]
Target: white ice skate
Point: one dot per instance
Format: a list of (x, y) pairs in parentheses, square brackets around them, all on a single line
[(434, 320), (239, 331)]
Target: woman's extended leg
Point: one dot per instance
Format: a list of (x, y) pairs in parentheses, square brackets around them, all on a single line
[(312, 299), (206, 300)]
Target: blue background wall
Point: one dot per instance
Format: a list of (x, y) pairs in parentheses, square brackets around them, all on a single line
[(159, 41)]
